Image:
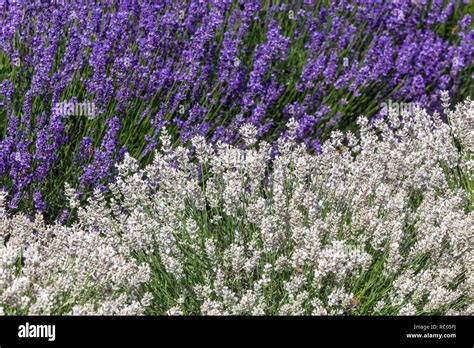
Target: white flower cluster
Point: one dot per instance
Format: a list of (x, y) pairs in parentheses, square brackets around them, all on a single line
[(378, 223), (49, 270)]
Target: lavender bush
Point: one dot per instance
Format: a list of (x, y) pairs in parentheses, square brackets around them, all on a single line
[(205, 68), (379, 223)]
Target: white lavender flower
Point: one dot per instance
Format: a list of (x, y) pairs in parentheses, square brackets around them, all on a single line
[(380, 222)]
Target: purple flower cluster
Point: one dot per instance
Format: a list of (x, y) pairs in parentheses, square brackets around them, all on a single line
[(207, 67)]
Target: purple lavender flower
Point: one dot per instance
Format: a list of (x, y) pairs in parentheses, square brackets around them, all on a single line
[(206, 67)]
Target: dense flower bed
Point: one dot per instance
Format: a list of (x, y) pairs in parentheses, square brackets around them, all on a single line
[(380, 222), (205, 68)]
